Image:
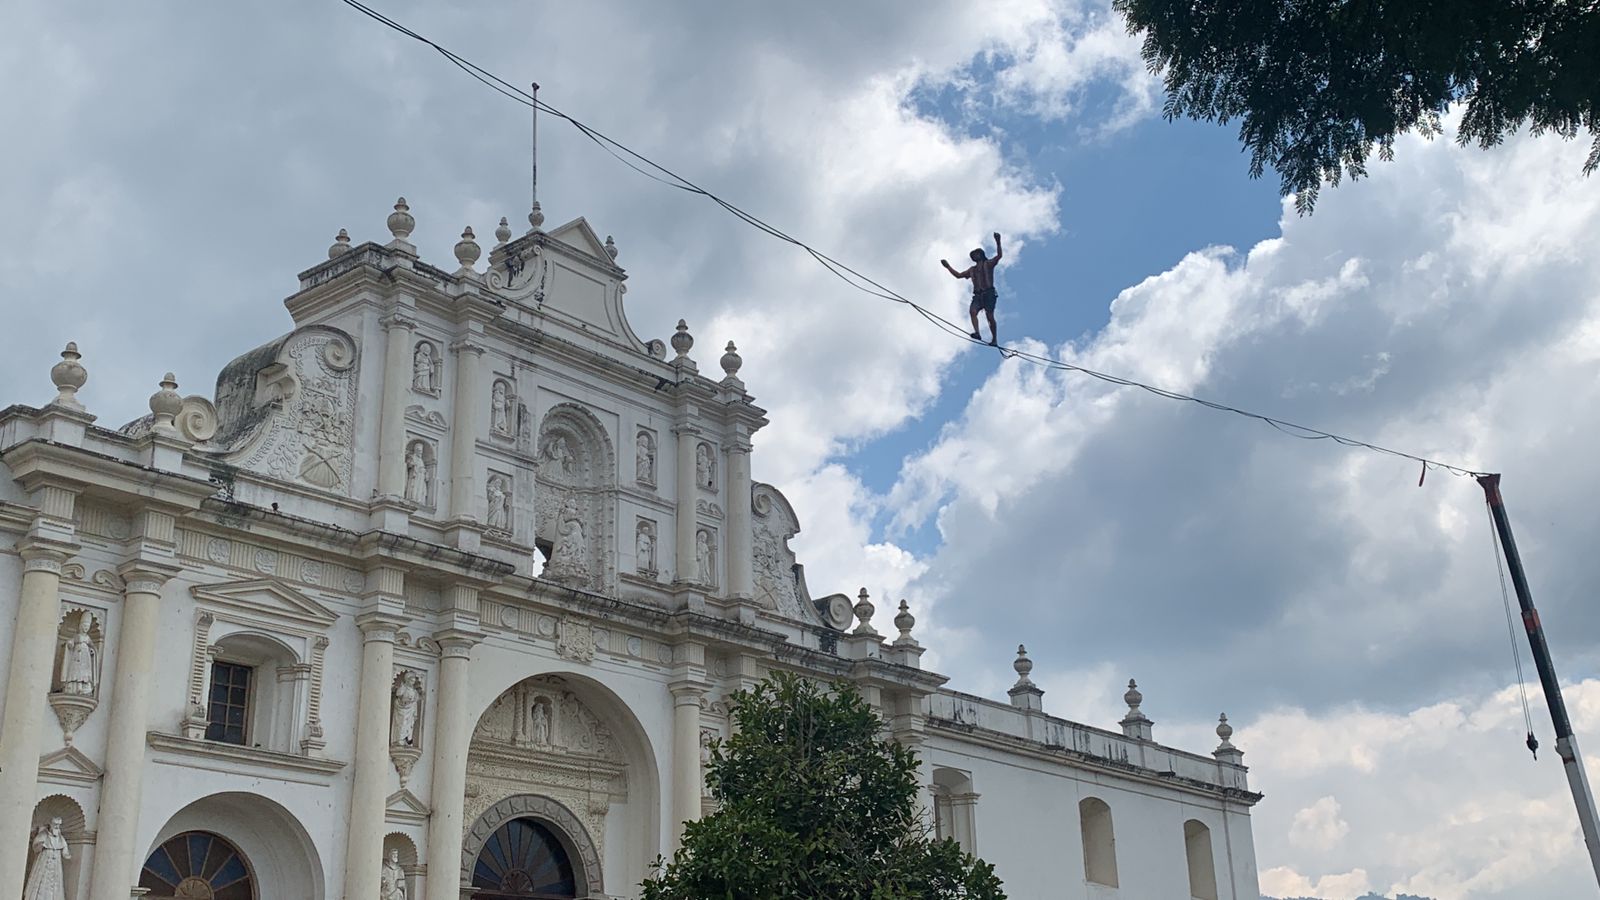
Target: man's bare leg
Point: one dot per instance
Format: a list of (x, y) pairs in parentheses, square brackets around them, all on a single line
[(975, 333), (994, 332)]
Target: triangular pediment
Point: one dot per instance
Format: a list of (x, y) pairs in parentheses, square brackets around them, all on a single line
[(68, 766), (403, 806), (266, 596), (580, 236)]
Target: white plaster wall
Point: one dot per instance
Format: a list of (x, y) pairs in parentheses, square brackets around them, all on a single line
[(1027, 825)]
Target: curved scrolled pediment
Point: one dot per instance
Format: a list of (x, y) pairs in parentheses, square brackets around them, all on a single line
[(779, 579)]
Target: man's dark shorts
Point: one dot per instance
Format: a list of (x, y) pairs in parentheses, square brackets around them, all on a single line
[(983, 300)]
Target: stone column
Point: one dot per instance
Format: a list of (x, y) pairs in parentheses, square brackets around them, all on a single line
[(122, 789), (686, 775), (392, 414), (466, 425), (741, 580), (687, 570), (364, 845), (33, 646), (452, 732)]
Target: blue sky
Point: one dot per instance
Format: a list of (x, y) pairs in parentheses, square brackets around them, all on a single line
[(178, 166)]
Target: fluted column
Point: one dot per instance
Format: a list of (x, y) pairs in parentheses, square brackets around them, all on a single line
[(364, 846), (451, 734), (392, 414), (33, 645), (122, 788), (686, 775), (687, 571), (468, 424), (741, 579)]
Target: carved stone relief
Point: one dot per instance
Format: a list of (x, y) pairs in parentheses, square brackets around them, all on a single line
[(575, 499), (422, 462), (405, 722), (705, 466), (426, 366), (502, 412), (309, 397), (776, 583), (498, 509), (705, 557), (75, 685), (576, 641), (645, 458), (645, 547)]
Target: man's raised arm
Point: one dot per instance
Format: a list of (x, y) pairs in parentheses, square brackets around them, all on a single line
[(997, 251), (952, 271)]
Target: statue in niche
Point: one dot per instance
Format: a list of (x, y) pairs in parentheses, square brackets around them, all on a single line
[(422, 368), (569, 552), (499, 503), (702, 555), (416, 475), (541, 723), (704, 466), (556, 451), (407, 703), (392, 882), (645, 549), (45, 878), (77, 660), (646, 459), (500, 408)]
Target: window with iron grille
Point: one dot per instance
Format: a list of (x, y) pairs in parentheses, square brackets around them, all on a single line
[(229, 711)]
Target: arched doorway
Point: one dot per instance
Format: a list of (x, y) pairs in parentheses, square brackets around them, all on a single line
[(523, 859), (198, 865)]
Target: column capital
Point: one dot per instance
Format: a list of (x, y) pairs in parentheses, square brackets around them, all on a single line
[(456, 643), (379, 626), (143, 576), (397, 319), (467, 346), (738, 443), (688, 428), (44, 554), (688, 693)]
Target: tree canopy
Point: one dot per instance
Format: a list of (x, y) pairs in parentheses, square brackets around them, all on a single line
[(1319, 84), (812, 803)]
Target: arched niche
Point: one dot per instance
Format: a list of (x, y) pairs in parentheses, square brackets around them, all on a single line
[(1202, 863), (954, 802), (576, 481), (281, 857), (590, 756), (74, 828), (1099, 842)]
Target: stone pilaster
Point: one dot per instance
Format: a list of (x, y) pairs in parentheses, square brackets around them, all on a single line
[(741, 575), (33, 645), (364, 844), (686, 774), (466, 425), (121, 791), (687, 570), (391, 417), (452, 734)]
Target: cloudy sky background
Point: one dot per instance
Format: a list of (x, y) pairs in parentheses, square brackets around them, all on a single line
[(169, 168)]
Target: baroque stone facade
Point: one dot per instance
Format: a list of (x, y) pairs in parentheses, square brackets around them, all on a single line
[(446, 591)]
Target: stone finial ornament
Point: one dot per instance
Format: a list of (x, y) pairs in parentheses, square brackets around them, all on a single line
[(905, 621), (69, 375), (401, 222), (732, 361), (864, 610), (166, 404), (536, 215), (1226, 751), (503, 233), (1025, 695), (467, 250), (340, 245), (611, 247), (682, 341), (1135, 724), (1023, 666)]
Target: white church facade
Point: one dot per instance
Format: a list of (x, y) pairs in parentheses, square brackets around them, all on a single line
[(441, 595)]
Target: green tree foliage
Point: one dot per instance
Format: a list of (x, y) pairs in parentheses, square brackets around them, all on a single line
[(1318, 84), (813, 805)]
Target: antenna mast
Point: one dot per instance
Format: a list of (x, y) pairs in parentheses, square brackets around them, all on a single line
[(535, 214)]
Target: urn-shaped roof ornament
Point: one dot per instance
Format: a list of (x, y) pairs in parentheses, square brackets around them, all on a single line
[(340, 245), (1025, 695), (1224, 731), (611, 247), (864, 610), (1135, 724), (503, 233), (1023, 666), (166, 404), (68, 375), (905, 621), (535, 215), (467, 251), (682, 340), (401, 222), (731, 361)]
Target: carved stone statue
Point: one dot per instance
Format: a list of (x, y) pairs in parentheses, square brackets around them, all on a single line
[(392, 883), (556, 451), (646, 548), (416, 475), (500, 409), (541, 724), (646, 459), (45, 878), (499, 504), (77, 661), (403, 716), (704, 466), (570, 554), (702, 555), (422, 368)]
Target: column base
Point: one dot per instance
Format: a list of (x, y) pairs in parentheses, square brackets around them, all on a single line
[(391, 513), (464, 534), (688, 596)]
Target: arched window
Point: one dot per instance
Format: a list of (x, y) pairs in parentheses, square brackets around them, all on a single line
[(198, 865), (1202, 866), (254, 690), (523, 859), (1099, 842), (953, 808)]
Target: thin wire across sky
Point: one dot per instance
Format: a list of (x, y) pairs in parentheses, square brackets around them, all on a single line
[(647, 167)]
